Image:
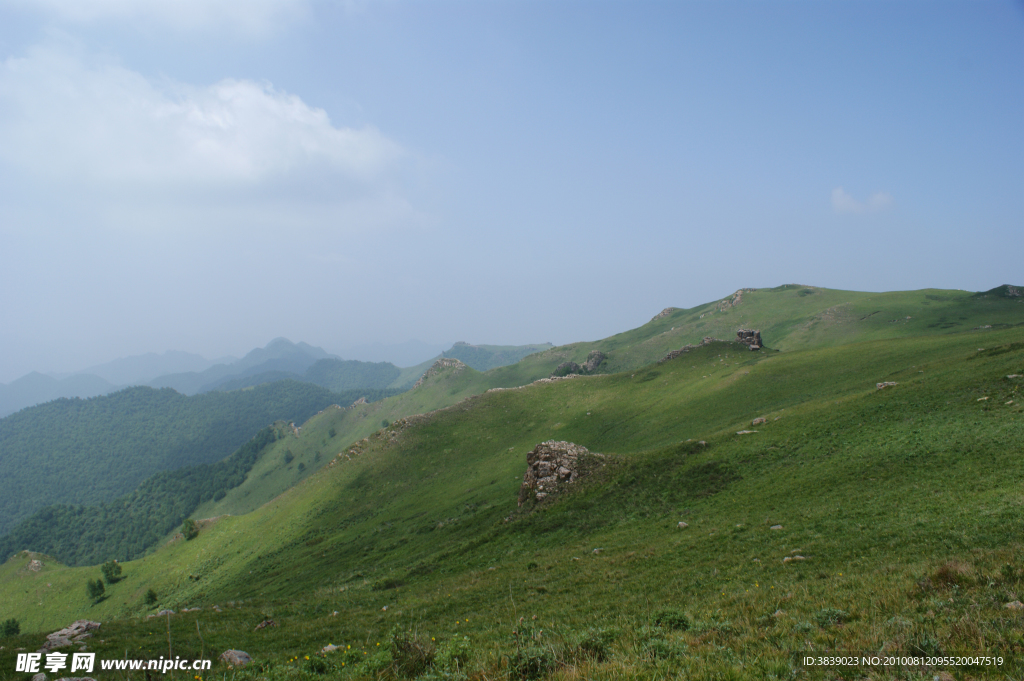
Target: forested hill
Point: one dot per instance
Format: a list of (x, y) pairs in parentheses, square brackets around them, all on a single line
[(125, 527), (86, 451)]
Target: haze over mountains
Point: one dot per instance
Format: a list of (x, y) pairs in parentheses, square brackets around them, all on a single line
[(192, 374)]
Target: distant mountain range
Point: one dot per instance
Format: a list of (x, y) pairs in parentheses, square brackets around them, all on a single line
[(191, 374)]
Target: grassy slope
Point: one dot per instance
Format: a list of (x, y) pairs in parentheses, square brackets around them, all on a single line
[(876, 488)]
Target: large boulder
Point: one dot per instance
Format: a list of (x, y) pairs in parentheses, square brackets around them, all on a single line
[(553, 465), (594, 360)]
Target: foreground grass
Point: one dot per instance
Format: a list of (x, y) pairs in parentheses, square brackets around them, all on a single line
[(905, 504)]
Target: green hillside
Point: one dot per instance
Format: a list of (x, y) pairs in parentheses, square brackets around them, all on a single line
[(903, 502)]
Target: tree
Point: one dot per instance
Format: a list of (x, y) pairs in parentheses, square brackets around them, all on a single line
[(10, 627), (111, 571), (151, 597), (94, 589), (190, 529)]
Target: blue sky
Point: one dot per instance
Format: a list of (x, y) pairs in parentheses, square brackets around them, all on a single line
[(206, 176)]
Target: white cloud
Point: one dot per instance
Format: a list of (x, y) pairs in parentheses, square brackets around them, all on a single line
[(243, 16), (107, 124), (845, 203)]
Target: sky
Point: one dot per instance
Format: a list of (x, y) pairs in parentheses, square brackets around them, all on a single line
[(207, 175)]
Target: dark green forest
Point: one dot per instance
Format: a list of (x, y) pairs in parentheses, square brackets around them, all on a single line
[(86, 451), (124, 528)]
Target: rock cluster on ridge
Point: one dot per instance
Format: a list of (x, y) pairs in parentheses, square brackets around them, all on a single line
[(443, 363), (551, 466)]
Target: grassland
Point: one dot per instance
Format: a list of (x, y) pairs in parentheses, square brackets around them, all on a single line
[(905, 504)]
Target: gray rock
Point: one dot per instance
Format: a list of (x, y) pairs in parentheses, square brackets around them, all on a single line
[(551, 466), (594, 360), (164, 612), (682, 525), (758, 421), (750, 337), (35, 565), (39, 677), (236, 658)]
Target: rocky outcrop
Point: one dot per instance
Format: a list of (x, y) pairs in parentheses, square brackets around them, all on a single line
[(750, 338), (361, 400), (74, 633), (594, 360), (664, 313), (686, 348), (35, 565), (552, 466), (439, 366)]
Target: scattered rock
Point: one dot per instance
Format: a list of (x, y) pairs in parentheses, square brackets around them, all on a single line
[(750, 338), (885, 384), (758, 421), (69, 635), (682, 525), (664, 313), (264, 624), (236, 658), (779, 613), (552, 465), (164, 612), (361, 400), (745, 432), (597, 551), (708, 340), (775, 527), (1014, 605), (329, 648), (75, 678), (39, 677), (1014, 375), (982, 399), (35, 565), (788, 559)]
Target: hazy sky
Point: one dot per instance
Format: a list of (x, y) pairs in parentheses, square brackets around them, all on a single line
[(205, 175)]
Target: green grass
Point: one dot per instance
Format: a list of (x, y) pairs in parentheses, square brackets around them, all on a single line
[(905, 503)]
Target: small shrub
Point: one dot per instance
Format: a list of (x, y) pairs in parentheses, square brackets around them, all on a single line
[(332, 432), (302, 466), (653, 645), (288, 457), (1009, 573), (190, 529), (150, 598), (532, 566), (453, 655), (596, 644), (829, 617), (672, 619), (10, 627), (111, 571), (804, 627), (318, 665), (410, 655), (385, 423), (531, 659), (94, 590)]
